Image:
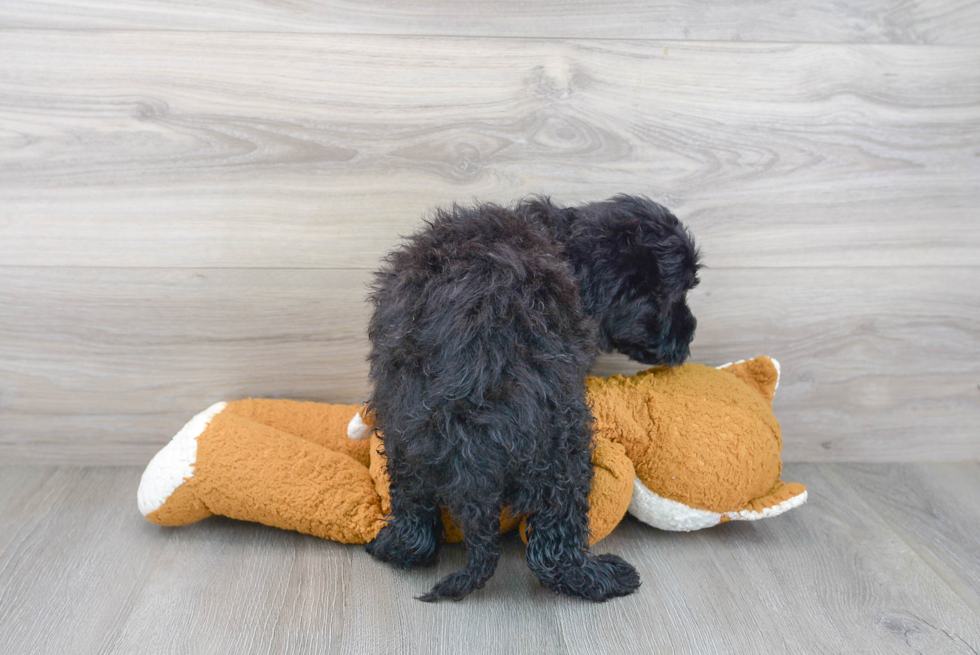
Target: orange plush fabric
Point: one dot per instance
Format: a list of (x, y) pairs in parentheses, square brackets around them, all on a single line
[(704, 437), (291, 465), (612, 487), (250, 471), (324, 424), (682, 448)]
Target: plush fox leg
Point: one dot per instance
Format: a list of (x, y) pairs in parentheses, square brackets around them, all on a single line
[(322, 423), (612, 487), (291, 465), (223, 463)]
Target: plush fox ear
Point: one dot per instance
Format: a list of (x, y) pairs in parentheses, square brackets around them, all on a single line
[(361, 426), (761, 373)]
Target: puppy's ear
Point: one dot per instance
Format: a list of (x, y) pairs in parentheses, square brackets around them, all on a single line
[(641, 262), (656, 251)]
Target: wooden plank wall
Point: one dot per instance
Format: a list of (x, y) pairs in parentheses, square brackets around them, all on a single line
[(193, 195)]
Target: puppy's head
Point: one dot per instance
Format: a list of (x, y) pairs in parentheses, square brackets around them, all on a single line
[(635, 263)]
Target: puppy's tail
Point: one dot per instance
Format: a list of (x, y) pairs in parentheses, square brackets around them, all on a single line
[(480, 523)]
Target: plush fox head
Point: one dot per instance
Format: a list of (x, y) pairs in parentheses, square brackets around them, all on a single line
[(704, 442)]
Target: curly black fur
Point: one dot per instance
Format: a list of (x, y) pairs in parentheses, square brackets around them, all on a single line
[(485, 325)]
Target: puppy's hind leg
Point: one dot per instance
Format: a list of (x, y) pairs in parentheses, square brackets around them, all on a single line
[(572, 571), (479, 519), (557, 547), (412, 534)]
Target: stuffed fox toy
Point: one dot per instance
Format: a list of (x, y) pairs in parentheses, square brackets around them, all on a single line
[(681, 449)]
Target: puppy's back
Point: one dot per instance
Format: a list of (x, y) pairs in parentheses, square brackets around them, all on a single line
[(477, 303)]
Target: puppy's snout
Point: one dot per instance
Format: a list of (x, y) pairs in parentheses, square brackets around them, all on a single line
[(682, 353), (684, 328), (684, 325)]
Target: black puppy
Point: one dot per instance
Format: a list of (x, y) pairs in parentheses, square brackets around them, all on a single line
[(485, 325)]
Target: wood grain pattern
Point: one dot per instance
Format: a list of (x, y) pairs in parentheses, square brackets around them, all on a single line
[(892, 600), (243, 589), (191, 215), (938, 512), (104, 365), (877, 21), (828, 578), (19, 488), (72, 558), (184, 149), (88, 574), (99, 365)]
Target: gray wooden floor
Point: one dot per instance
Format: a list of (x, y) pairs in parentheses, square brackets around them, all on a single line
[(885, 558)]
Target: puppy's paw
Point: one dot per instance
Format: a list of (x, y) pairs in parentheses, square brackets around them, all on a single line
[(614, 577), (600, 578), (404, 547)]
